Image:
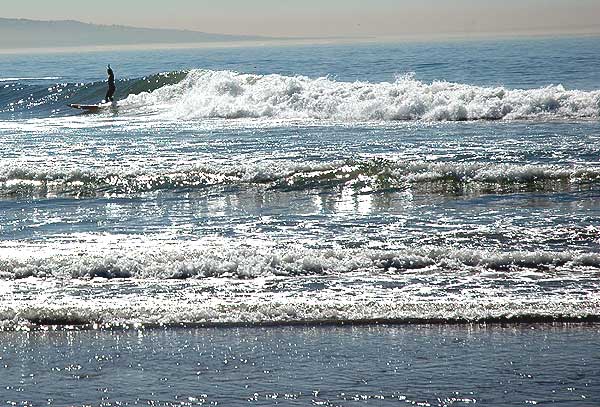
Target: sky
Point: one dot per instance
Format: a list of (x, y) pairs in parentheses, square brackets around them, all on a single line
[(313, 18)]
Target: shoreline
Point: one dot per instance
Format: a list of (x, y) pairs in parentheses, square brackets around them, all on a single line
[(517, 321)]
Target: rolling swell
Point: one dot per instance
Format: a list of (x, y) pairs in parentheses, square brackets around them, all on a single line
[(362, 176), (227, 94), (24, 97)]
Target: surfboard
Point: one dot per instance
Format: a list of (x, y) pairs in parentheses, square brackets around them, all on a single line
[(93, 108)]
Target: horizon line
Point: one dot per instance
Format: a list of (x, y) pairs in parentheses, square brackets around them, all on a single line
[(261, 41)]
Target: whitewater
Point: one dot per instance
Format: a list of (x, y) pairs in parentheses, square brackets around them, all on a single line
[(229, 94)]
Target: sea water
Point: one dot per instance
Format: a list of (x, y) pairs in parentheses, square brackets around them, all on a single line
[(305, 366), (338, 184)]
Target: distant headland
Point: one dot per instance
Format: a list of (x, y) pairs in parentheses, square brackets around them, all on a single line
[(24, 33)]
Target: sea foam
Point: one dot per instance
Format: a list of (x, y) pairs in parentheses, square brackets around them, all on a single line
[(246, 263), (227, 94)]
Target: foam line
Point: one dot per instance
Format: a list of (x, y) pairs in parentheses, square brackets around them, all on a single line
[(253, 263)]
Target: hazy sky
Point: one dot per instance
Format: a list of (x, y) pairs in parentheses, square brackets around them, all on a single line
[(324, 17)]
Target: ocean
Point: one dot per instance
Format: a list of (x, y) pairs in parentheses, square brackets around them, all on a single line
[(387, 223)]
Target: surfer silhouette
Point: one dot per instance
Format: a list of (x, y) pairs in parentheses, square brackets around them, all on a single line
[(111, 85)]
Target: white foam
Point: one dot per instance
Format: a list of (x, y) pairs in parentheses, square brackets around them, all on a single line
[(226, 94), (254, 301), (244, 262), (267, 284)]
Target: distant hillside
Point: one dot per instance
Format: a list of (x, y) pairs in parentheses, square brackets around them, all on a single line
[(21, 33)]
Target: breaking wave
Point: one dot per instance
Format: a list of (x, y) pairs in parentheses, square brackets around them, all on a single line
[(364, 176), (226, 94), (200, 94)]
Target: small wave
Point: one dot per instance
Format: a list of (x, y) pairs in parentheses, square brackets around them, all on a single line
[(26, 182), (226, 94), (107, 315), (252, 263), (362, 176)]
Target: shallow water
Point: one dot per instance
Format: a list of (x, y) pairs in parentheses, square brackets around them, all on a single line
[(298, 366)]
